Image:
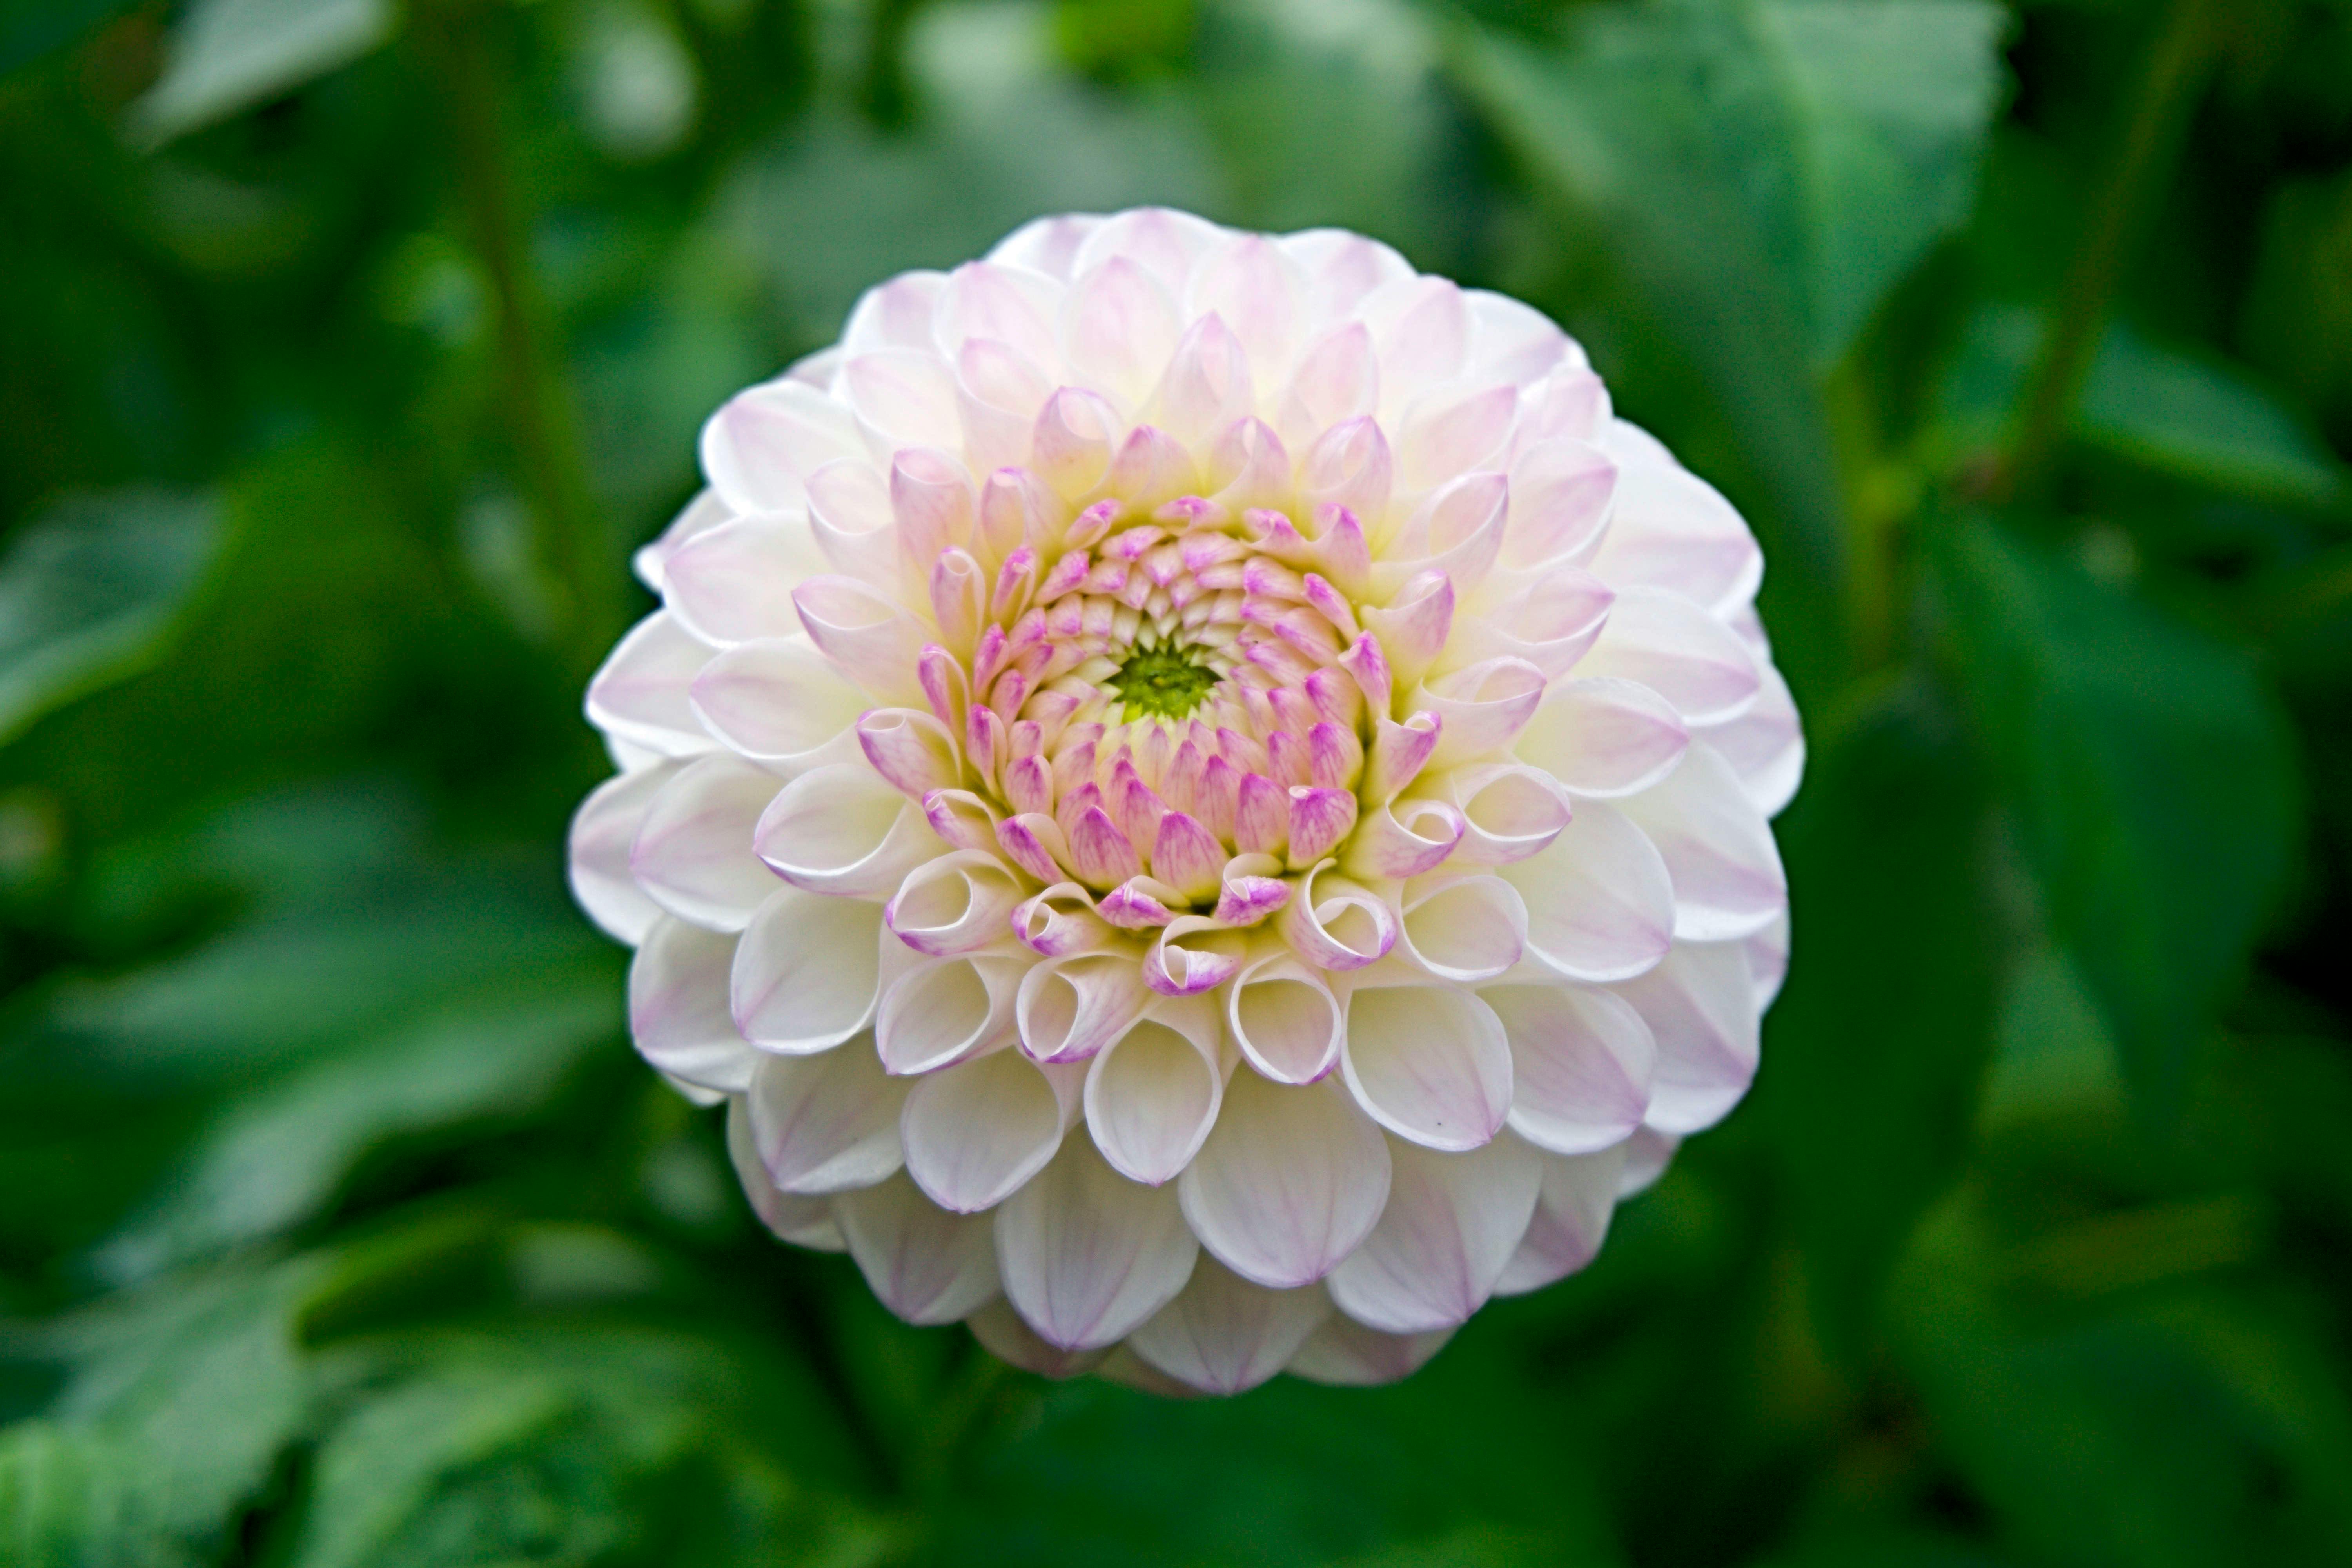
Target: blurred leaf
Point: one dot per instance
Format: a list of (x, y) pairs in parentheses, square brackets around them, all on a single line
[(89, 592), (2152, 776), (229, 55), (277, 1155), (31, 29), (1877, 1047)]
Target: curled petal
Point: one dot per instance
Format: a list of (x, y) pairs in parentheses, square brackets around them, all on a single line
[(1462, 929), (1207, 383), (826, 1123), (903, 397), (1191, 954), (1415, 627), (1321, 821), (976, 1132), (1060, 922), (1152, 1094), (1077, 434), (957, 903), (1291, 1181), (1033, 842), (1403, 839), (1400, 751), (1069, 1008), (807, 972), (1430, 1063), (1482, 708), (842, 830), (850, 517), (1284, 1018), (677, 1007), (1509, 810), (1087, 1255), (1187, 856), (911, 750), (1221, 1334), (1334, 924), (1337, 380), (944, 1011), (764, 442), (1452, 1224), (927, 1264), (961, 818)]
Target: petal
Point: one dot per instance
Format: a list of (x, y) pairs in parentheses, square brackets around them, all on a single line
[(1571, 1220), (864, 632), (1671, 529), (841, 829), (807, 972), (1647, 1154), (926, 1264), (1223, 1334), (760, 445), (957, 903), (1452, 1223), (826, 1123), (1344, 1352), (1086, 1254), (802, 1221), (1069, 1008), (902, 398), (1285, 1020), (1509, 811), (1152, 1097), (1670, 645), (677, 1007), (1334, 924), (779, 701), (603, 829), (1603, 738), (1462, 929), (945, 1010), (640, 694), (1600, 903), (1428, 1062), (1765, 745), (1001, 1332), (693, 853), (1290, 1181), (974, 1133), (895, 314), (1717, 847), (700, 515), (1581, 1065), (1700, 1004), (1482, 708), (735, 583), (1561, 493), (1119, 329), (1161, 240)]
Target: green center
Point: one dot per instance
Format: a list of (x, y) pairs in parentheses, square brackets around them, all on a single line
[(1162, 682)]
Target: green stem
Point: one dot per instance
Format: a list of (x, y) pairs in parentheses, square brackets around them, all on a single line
[(2177, 63), (575, 550)]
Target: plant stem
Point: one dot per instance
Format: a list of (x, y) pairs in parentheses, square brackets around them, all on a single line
[(2177, 63), (573, 548)]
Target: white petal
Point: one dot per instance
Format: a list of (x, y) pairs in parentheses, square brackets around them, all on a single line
[(802, 1221), (1600, 903), (1160, 240), (902, 398), (1462, 929), (640, 694), (1345, 1352), (1428, 1062), (868, 638), (1001, 1332), (1151, 1098), (829, 1122), (1004, 304), (1483, 707), (945, 1010), (1765, 745), (1288, 1184), (700, 515), (677, 1007), (1509, 810), (1047, 245), (1452, 1223), (1259, 292), (957, 903), (1422, 328), (1512, 342), (841, 829), (1223, 1334), (1671, 645), (895, 314), (1571, 1220), (974, 1133), (1087, 1255), (1767, 960), (781, 703), (1118, 327), (1672, 529), (1647, 1154), (603, 829), (693, 853), (1718, 849), (927, 1265), (1701, 1007), (1285, 1020), (1334, 924), (1069, 1008), (1581, 1065), (764, 442), (808, 972), (735, 583), (1561, 492), (1603, 738)]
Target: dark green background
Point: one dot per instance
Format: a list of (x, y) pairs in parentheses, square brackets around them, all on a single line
[(345, 348)]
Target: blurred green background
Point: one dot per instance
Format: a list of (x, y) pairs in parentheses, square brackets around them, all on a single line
[(347, 345)]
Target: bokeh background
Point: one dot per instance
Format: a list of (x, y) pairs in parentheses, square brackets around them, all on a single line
[(346, 347)]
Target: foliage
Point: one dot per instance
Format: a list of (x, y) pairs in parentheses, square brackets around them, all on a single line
[(347, 347)]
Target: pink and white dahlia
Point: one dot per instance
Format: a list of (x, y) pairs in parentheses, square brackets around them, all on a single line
[(1203, 801)]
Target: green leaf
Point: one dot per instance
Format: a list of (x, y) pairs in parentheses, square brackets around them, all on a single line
[(2152, 776), (89, 593), (1878, 1043), (229, 55)]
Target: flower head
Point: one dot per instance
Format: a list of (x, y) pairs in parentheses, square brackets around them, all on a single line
[(1204, 802)]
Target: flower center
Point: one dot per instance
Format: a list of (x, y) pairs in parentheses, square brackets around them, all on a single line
[(1162, 682)]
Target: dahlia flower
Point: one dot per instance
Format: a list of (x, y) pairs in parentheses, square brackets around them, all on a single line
[(1201, 800)]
